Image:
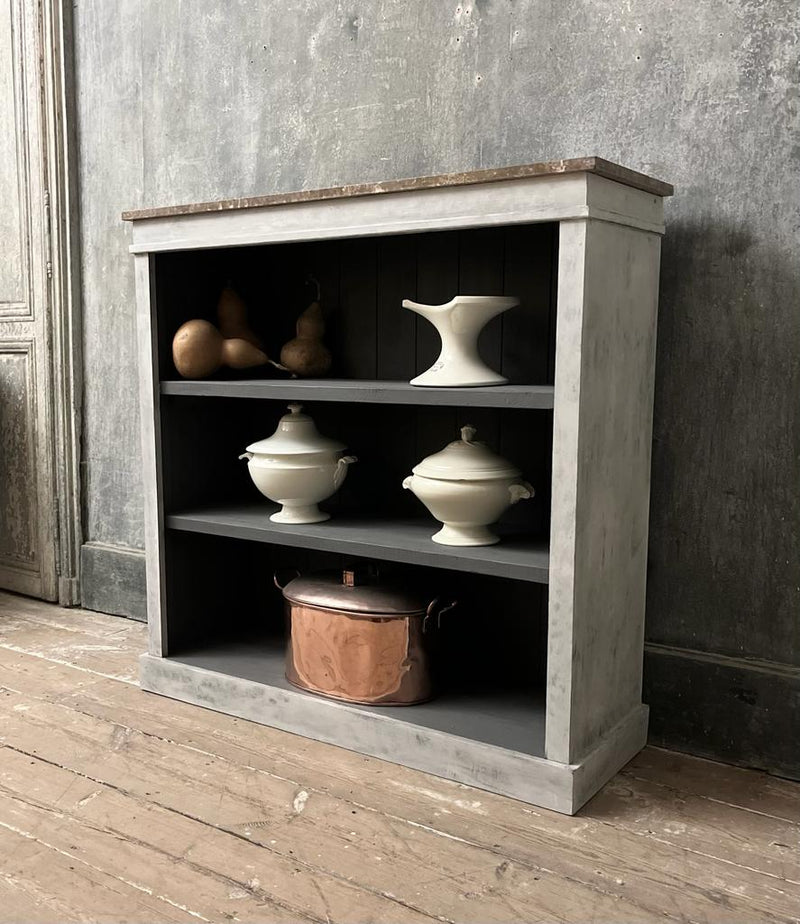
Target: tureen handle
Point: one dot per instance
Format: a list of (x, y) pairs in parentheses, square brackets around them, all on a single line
[(520, 491), (246, 455), (468, 433), (407, 482), (341, 469)]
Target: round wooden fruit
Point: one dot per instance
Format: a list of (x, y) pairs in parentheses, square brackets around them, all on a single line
[(199, 349)]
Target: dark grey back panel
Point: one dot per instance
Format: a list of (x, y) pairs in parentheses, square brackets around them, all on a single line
[(363, 282), (219, 586), (202, 439)]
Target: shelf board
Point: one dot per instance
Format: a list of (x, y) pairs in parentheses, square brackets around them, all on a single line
[(407, 541), (513, 720), (367, 390)]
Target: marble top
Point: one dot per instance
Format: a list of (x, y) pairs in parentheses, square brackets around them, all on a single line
[(596, 165)]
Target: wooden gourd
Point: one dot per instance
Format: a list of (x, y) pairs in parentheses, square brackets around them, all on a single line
[(199, 349), (306, 354), (232, 317)]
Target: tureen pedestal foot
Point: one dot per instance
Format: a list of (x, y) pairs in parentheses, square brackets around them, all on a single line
[(451, 534), (308, 513)]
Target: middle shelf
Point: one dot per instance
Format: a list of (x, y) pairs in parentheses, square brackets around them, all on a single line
[(367, 391), (407, 541)]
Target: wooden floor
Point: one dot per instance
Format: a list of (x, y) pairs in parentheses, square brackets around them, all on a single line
[(117, 805)]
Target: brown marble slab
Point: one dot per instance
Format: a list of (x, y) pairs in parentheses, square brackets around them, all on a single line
[(594, 165)]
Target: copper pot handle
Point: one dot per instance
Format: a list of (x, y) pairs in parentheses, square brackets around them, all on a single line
[(437, 607), (279, 574)]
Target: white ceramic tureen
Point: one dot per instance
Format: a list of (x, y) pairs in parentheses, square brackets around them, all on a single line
[(467, 487), (297, 468)]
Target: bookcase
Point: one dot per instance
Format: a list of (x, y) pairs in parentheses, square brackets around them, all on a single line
[(541, 663)]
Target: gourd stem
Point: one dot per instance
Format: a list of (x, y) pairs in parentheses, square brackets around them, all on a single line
[(313, 280)]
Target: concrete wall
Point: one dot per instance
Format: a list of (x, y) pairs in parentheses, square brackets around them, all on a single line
[(187, 101)]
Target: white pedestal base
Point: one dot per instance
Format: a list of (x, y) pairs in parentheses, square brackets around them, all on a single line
[(465, 535), (308, 514), (444, 375)]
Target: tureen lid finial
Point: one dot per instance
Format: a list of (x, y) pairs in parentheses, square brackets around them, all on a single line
[(295, 408), (468, 433)]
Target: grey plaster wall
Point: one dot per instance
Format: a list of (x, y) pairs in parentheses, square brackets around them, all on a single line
[(182, 101)]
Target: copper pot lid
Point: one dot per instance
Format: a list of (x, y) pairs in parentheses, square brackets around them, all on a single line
[(296, 433), (354, 592), (466, 460)]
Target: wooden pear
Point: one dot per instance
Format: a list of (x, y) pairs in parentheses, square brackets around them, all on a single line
[(199, 349), (307, 354), (232, 317), (241, 354)]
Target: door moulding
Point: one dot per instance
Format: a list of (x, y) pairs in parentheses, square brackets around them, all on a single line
[(63, 262)]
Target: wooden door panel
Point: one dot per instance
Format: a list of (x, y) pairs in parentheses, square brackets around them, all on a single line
[(13, 300), (27, 495), (19, 559)]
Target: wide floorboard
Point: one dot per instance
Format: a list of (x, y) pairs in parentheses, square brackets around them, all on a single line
[(118, 805)]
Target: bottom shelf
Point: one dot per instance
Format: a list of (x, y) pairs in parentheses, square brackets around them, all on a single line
[(513, 720), (247, 682)]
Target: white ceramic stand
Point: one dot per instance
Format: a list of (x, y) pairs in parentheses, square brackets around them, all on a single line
[(459, 324)]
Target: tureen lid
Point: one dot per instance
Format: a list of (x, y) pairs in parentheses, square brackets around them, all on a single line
[(296, 433), (466, 460)]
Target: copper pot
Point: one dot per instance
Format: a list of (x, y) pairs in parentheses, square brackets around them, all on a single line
[(355, 638)]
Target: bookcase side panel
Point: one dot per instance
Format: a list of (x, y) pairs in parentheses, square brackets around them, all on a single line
[(564, 487), (602, 447), (149, 403)]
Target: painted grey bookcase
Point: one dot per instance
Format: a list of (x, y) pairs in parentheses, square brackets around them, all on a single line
[(542, 662)]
